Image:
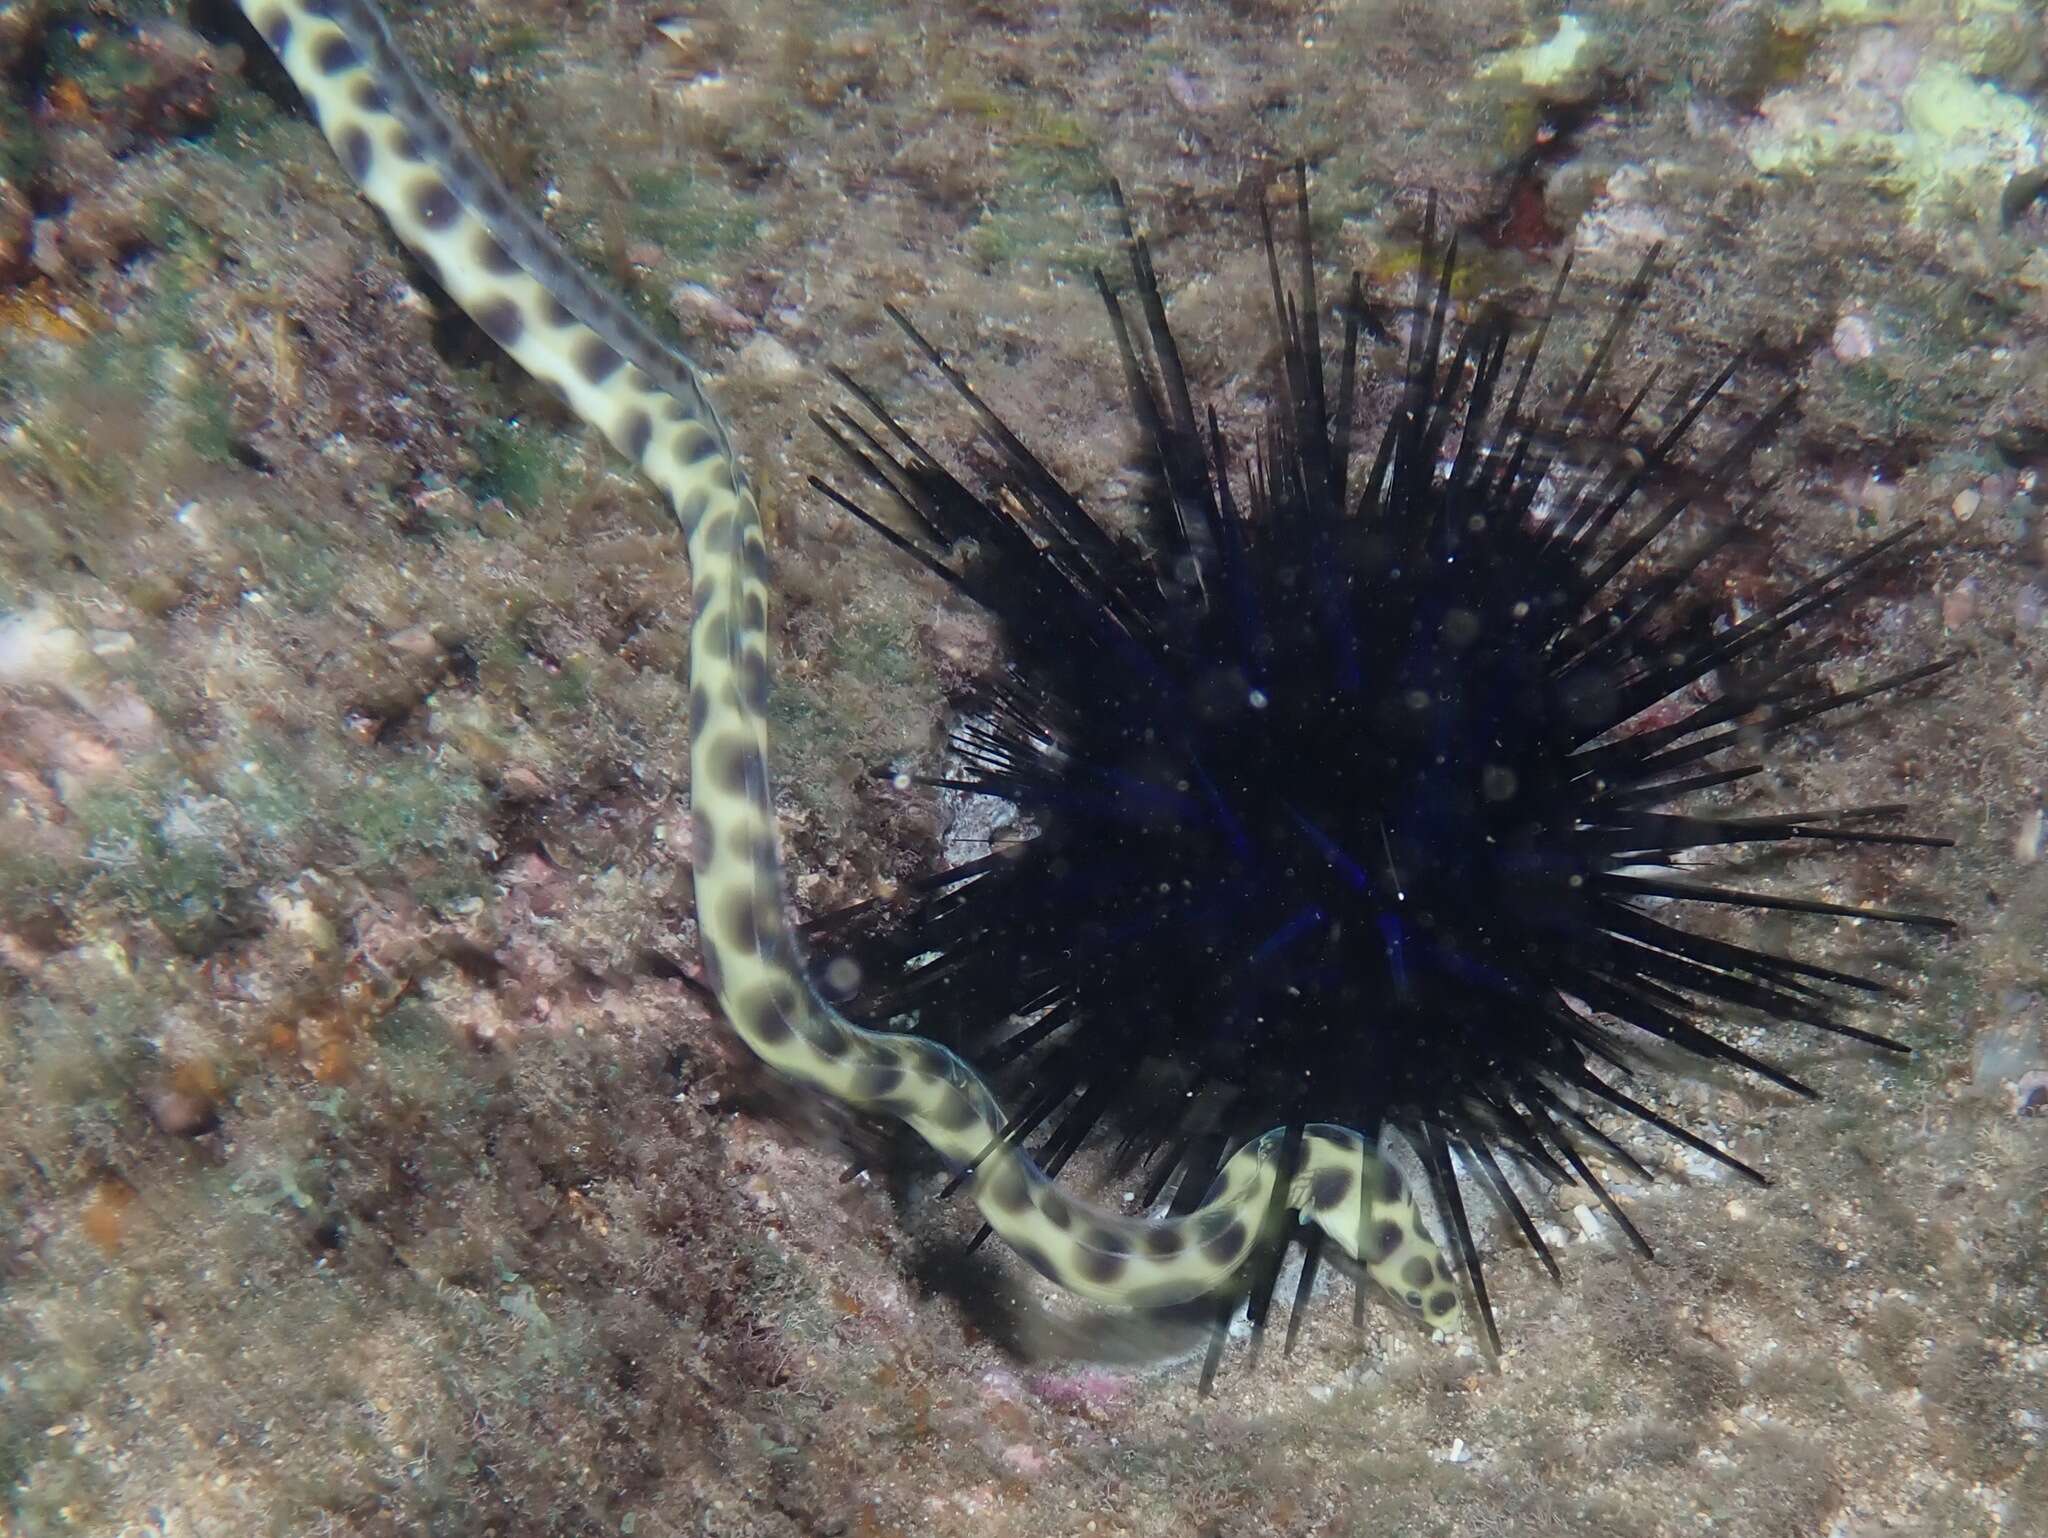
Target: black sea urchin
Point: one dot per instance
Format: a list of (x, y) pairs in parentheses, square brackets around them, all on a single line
[(1363, 791)]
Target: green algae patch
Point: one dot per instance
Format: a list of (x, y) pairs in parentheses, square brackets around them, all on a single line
[(294, 559), (1561, 62), (1053, 188), (105, 411), (1960, 128), (172, 860), (21, 148), (1949, 136), (412, 805), (694, 219), (518, 463)]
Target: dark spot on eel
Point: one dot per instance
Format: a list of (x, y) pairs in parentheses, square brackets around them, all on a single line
[(598, 359), (1103, 1269), (1224, 1247), (494, 258), (1329, 1189), (335, 54), (501, 321), (639, 432), (434, 204), (1164, 1241), (355, 151)]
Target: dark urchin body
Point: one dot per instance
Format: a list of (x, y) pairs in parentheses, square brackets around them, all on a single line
[(1346, 802)]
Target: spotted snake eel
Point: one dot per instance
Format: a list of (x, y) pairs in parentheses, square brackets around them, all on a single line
[(512, 276)]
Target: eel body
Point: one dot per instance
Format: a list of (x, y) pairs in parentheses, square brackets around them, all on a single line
[(511, 275)]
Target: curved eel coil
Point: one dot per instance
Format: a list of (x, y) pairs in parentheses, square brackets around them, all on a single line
[(502, 266)]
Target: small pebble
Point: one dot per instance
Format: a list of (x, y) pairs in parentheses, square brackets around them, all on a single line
[(1024, 1459), (1959, 604), (1855, 339), (767, 358), (416, 641), (180, 1113), (2030, 1094), (695, 300), (46, 249)]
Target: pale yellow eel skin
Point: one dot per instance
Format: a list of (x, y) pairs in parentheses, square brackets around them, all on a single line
[(504, 268)]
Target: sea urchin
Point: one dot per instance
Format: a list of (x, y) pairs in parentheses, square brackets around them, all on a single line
[(1365, 788)]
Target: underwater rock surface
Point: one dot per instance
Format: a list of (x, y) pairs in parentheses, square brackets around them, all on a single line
[(368, 1163)]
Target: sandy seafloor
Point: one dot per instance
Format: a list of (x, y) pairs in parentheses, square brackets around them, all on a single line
[(368, 1164)]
